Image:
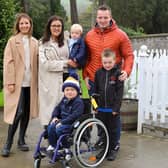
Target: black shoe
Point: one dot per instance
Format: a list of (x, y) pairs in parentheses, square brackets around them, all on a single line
[(117, 147), (112, 155), (23, 147), (6, 150)]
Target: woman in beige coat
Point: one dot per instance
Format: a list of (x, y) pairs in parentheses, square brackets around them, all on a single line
[(53, 59), (20, 81)]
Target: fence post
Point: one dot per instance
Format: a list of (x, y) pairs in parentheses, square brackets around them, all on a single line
[(130, 85), (163, 81), (141, 79)]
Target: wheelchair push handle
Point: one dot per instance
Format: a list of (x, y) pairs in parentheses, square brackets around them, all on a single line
[(93, 100), (95, 95)]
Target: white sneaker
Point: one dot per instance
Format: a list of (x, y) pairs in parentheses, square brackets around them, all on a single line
[(50, 148), (67, 156)]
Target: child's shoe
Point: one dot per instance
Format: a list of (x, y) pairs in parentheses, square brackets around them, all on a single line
[(50, 148), (68, 155)]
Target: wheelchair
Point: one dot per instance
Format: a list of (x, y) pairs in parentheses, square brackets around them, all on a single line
[(84, 144)]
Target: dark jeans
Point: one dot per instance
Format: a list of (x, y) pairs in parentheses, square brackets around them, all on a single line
[(112, 124), (54, 133)]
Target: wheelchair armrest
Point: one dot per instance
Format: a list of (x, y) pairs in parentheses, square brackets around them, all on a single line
[(81, 119)]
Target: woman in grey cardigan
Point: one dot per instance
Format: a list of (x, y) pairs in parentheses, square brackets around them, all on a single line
[(53, 63)]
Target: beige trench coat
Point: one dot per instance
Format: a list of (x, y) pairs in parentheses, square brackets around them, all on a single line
[(13, 73), (52, 63)]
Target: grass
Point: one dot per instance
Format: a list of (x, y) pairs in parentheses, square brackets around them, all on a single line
[(1, 99)]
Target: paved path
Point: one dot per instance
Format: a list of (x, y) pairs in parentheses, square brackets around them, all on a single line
[(137, 151)]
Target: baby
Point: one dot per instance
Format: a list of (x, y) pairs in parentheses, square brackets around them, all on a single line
[(77, 49)]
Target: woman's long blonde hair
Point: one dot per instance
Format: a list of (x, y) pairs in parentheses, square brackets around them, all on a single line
[(16, 25)]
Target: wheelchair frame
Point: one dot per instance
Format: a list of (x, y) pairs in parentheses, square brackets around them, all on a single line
[(84, 151)]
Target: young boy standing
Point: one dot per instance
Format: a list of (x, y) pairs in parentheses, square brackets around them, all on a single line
[(77, 48), (110, 89), (66, 112)]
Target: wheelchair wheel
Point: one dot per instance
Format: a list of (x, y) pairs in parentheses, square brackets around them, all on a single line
[(37, 163), (91, 142)]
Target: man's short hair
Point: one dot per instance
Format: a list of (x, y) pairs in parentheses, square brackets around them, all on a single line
[(104, 8)]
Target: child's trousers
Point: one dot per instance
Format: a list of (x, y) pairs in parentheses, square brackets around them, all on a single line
[(55, 132), (112, 123)]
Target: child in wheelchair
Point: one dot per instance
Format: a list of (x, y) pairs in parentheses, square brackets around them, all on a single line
[(71, 132), (66, 112)]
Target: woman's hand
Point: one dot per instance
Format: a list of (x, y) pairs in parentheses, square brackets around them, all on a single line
[(11, 88), (73, 64)]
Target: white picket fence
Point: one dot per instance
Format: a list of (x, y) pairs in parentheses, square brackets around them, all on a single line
[(149, 84)]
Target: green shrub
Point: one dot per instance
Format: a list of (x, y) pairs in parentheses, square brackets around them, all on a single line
[(7, 16), (131, 32)]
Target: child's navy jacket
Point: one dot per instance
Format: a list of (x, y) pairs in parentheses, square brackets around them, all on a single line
[(69, 110)]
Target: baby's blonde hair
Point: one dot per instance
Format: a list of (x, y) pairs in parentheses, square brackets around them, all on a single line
[(77, 27)]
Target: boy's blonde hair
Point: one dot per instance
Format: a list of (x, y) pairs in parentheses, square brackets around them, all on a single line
[(108, 53), (77, 27)]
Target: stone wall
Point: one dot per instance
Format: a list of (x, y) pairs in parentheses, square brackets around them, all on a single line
[(152, 41)]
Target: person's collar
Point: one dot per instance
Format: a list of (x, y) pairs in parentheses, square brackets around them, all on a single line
[(73, 40), (112, 69), (110, 25), (53, 39), (67, 101)]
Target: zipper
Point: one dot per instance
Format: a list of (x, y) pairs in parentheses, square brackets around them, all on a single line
[(106, 82)]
